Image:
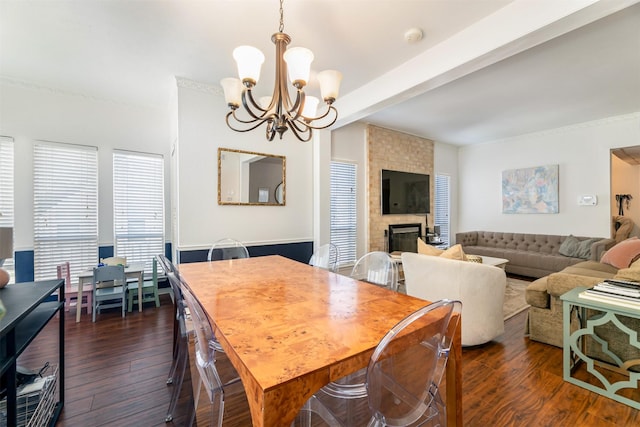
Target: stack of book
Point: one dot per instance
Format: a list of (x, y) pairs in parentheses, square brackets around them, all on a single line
[(614, 291)]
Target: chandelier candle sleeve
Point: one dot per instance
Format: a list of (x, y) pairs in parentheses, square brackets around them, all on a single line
[(249, 61), (280, 112), (310, 106), (329, 84), (298, 61), (232, 91)]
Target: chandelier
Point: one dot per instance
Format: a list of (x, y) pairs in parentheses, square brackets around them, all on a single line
[(279, 112)]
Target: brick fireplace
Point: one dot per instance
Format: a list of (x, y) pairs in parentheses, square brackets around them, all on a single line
[(388, 149)]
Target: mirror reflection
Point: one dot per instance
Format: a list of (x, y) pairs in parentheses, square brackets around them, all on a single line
[(249, 178)]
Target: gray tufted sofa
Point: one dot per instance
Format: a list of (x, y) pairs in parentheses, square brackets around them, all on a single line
[(533, 255)]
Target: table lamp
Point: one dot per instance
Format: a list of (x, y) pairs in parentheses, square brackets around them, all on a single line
[(6, 251)]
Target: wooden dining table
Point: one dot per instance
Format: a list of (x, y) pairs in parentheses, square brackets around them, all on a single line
[(289, 329)]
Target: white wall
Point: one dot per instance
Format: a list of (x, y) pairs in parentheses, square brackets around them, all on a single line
[(582, 153), (200, 220), (29, 113), (349, 144)]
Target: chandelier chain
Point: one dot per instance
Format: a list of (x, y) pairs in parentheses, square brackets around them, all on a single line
[(281, 28)]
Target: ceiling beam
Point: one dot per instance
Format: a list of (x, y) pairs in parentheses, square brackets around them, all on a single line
[(519, 26)]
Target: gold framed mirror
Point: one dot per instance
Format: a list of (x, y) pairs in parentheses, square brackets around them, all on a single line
[(250, 178)]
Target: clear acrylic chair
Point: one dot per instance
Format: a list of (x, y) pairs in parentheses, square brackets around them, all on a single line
[(401, 382), (181, 350), (327, 257), (208, 356), (167, 266), (181, 331), (377, 268), (227, 249), (109, 288)]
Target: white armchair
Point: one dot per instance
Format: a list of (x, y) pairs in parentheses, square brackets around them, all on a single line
[(480, 287)]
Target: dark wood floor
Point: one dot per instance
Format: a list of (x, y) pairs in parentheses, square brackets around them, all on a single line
[(116, 370)]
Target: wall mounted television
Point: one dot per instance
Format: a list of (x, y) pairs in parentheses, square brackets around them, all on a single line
[(404, 193)]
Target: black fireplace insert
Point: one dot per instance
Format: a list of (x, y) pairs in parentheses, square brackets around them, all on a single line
[(404, 237)]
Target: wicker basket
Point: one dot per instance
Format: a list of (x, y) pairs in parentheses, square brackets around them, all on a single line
[(474, 258)]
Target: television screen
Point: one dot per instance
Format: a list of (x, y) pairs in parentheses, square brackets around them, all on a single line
[(404, 193)]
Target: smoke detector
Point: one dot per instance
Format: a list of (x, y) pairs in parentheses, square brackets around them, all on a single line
[(413, 35)]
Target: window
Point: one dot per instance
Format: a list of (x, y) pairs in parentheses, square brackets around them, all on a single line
[(343, 210), (442, 207), (138, 206), (65, 211), (6, 194)]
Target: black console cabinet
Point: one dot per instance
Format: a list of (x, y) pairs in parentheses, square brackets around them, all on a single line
[(29, 308)]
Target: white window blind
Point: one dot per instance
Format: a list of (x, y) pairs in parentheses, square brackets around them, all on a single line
[(343, 210), (6, 191), (138, 202), (65, 211), (442, 206)]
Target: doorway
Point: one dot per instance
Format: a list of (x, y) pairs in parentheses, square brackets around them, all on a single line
[(625, 183)]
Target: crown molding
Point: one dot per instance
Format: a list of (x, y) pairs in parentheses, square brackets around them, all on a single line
[(565, 129), (24, 84), (209, 88)]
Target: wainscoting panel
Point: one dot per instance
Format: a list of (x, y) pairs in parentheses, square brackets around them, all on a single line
[(299, 251)]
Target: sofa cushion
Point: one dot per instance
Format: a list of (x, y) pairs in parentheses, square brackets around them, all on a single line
[(623, 254), (536, 293), (560, 283), (632, 273), (592, 269)]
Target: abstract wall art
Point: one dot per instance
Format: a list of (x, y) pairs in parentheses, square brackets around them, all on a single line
[(530, 190)]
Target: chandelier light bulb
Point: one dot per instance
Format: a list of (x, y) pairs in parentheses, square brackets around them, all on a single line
[(249, 60)]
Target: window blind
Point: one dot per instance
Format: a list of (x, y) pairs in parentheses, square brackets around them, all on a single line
[(65, 211), (6, 190), (442, 206), (343, 210), (138, 203)]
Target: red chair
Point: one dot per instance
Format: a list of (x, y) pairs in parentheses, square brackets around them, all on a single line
[(71, 290)]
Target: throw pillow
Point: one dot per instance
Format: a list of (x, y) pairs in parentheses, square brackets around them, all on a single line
[(426, 249), (625, 225), (632, 273), (569, 246), (623, 254), (454, 252), (584, 248)]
